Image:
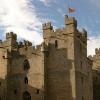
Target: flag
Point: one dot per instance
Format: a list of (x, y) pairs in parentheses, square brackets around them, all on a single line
[(71, 10)]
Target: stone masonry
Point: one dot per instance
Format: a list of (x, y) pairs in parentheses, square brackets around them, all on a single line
[(96, 74), (57, 69)]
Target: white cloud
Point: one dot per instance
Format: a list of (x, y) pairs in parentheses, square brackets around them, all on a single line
[(94, 42), (20, 17), (48, 2)]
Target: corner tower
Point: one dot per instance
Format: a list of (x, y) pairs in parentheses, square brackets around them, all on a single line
[(67, 68), (96, 74), (10, 42)]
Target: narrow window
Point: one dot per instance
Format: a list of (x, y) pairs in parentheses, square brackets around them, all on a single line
[(80, 47), (81, 64), (26, 96), (96, 78), (3, 57), (82, 98), (37, 91), (26, 65), (56, 43), (26, 80), (15, 91), (0, 83), (82, 80)]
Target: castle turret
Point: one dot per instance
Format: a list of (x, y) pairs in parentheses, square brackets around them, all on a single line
[(10, 42), (11, 35), (48, 31), (97, 51), (70, 24)]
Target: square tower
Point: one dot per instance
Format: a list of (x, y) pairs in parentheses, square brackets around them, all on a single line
[(67, 70)]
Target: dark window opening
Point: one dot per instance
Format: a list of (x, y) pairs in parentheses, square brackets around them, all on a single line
[(56, 43), (26, 96), (37, 91), (15, 91), (96, 78), (81, 64), (26, 65), (3, 57), (82, 98), (0, 83), (26, 80), (80, 47), (82, 80)]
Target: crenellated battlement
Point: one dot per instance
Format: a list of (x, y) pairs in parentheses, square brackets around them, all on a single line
[(27, 43), (59, 31), (1, 41), (49, 34), (33, 50), (47, 30), (84, 32), (97, 51), (20, 44), (70, 28), (47, 26), (55, 69), (82, 35), (97, 54), (70, 21), (11, 35)]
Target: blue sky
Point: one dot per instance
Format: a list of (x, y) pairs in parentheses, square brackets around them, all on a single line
[(25, 17)]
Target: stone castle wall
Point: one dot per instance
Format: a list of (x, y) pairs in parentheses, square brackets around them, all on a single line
[(57, 69)]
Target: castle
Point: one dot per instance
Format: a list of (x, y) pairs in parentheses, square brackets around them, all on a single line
[(58, 69)]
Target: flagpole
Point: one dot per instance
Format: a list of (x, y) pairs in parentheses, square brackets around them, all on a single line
[(68, 8)]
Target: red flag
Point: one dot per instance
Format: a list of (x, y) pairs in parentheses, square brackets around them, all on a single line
[(71, 10)]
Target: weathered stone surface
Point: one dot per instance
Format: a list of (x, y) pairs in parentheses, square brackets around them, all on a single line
[(58, 69), (96, 74)]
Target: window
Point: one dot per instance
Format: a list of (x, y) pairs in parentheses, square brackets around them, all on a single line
[(81, 64), (37, 91), (26, 96), (3, 57), (96, 78), (56, 43), (80, 47), (26, 65), (82, 80), (15, 91), (0, 83), (82, 98), (26, 80)]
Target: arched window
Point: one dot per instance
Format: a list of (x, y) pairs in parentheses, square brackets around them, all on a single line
[(26, 65), (26, 96), (26, 80)]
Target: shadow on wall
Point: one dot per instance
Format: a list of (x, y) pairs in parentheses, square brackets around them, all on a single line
[(60, 81), (3, 90), (18, 85), (96, 85)]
